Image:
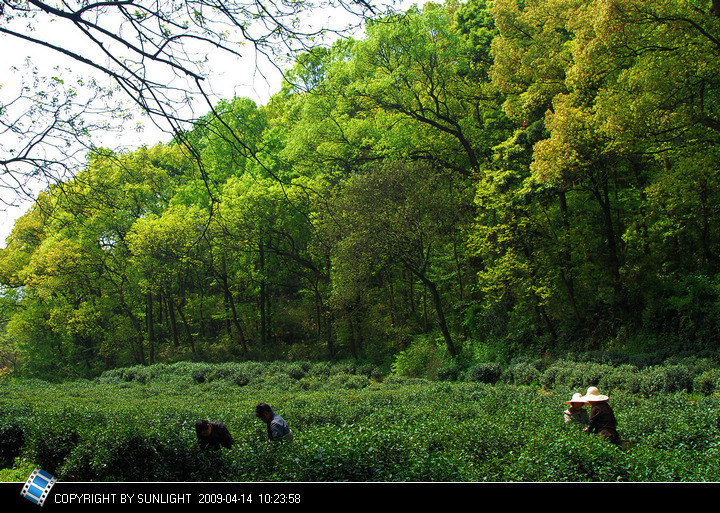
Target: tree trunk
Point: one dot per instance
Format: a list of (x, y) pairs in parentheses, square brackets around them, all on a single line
[(263, 293), (230, 300), (602, 194), (150, 327), (566, 260), (171, 317), (442, 323)]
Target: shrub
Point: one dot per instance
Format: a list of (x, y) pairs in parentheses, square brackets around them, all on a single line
[(423, 359), (349, 428), (280, 381), (612, 357), (296, 371), (449, 373), (707, 382), (573, 375), (320, 369), (50, 447), (522, 373), (624, 377), (484, 373), (643, 360), (12, 439), (659, 380)]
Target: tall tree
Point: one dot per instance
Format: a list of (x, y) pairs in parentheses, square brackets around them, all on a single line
[(398, 216), (156, 53), (624, 92)]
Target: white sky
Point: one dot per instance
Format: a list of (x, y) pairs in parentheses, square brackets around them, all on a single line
[(229, 78)]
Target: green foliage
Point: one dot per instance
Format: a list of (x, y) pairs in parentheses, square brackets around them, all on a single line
[(484, 373), (521, 373), (516, 178), (707, 382), (12, 439), (498, 200), (423, 359), (137, 426)]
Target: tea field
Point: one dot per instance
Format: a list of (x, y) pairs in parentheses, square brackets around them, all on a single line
[(484, 424)]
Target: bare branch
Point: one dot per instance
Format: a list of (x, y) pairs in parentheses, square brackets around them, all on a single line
[(156, 53)]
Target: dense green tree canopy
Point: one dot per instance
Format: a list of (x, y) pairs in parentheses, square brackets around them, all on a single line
[(465, 182)]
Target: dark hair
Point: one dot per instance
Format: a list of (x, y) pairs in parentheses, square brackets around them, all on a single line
[(262, 408), (201, 426)]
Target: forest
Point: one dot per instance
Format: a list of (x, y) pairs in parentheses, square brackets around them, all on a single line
[(465, 183)]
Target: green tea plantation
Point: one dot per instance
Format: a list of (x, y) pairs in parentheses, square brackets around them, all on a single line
[(351, 424)]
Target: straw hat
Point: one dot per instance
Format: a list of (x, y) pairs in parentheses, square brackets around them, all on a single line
[(594, 395), (576, 398)]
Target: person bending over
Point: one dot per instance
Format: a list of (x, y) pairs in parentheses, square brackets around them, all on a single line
[(213, 435), (602, 418)]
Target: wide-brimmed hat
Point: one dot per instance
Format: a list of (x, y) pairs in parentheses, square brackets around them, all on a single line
[(594, 395), (576, 398)]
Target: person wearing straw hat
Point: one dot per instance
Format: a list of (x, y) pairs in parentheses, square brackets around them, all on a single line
[(576, 414), (602, 418)]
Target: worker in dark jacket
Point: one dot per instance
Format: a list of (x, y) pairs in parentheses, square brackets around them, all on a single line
[(277, 428), (602, 419), (213, 435)]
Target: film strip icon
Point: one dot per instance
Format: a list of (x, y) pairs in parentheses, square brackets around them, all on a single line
[(37, 487)]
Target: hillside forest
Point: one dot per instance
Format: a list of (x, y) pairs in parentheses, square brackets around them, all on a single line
[(465, 182)]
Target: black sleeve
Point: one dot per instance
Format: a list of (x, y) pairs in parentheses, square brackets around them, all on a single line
[(226, 439)]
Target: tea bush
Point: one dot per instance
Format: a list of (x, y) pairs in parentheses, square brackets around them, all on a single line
[(489, 424), (707, 382), (12, 439), (521, 373), (484, 373), (575, 375)]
